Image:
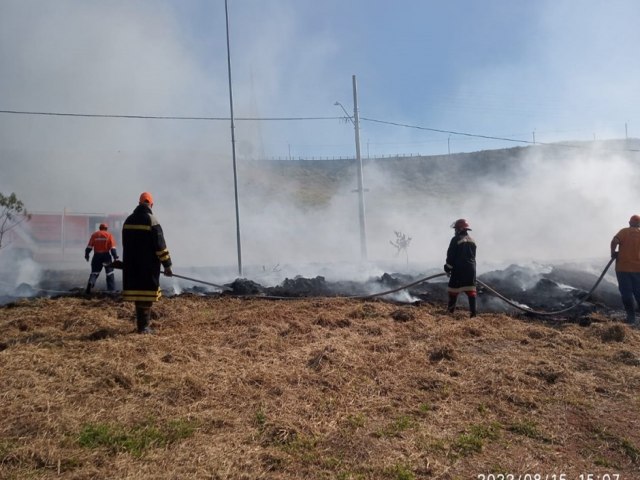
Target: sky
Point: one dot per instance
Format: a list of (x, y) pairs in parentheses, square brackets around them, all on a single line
[(433, 77)]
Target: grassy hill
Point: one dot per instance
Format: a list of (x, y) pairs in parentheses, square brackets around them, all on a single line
[(234, 388), (312, 183)]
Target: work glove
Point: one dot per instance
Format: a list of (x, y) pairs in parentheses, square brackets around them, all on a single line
[(86, 257), (448, 269), (614, 254), (116, 264), (168, 272)]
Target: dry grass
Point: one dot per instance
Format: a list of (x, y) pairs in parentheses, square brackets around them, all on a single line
[(329, 388)]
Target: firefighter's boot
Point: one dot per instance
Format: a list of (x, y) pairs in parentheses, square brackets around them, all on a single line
[(451, 307), (92, 282), (472, 307), (143, 316)]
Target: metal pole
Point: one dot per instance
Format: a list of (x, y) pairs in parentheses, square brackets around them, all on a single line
[(62, 232), (233, 145), (356, 124)]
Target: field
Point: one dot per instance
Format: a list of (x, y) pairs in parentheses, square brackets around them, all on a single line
[(232, 388)]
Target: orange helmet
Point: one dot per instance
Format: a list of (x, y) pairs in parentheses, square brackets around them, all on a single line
[(103, 226), (634, 221), (460, 224), (146, 197)]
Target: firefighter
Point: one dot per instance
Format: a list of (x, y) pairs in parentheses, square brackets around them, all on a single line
[(143, 251), (461, 266), (104, 248), (627, 241)]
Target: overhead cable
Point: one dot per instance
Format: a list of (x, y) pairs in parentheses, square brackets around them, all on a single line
[(476, 135), (253, 119), (163, 117)]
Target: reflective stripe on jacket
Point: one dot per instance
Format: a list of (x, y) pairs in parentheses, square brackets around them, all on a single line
[(101, 241), (143, 251)]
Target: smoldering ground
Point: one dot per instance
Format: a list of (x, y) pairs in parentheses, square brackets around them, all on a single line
[(527, 208)]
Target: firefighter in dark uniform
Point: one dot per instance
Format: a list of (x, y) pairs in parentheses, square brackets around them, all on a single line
[(143, 251), (461, 265), (104, 248)]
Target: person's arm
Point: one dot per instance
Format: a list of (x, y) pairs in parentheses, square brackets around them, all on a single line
[(112, 248), (87, 251), (614, 244), (448, 266), (161, 249)]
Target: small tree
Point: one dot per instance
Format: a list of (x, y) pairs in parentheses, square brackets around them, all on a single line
[(401, 244), (12, 214)]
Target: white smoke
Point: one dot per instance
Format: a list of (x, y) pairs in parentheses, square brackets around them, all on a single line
[(153, 58)]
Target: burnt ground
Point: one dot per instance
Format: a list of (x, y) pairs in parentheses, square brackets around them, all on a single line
[(547, 290)]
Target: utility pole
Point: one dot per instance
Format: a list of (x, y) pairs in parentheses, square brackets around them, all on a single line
[(233, 146), (356, 125)]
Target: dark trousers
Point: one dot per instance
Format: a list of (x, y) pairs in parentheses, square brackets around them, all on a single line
[(97, 263), (629, 287)]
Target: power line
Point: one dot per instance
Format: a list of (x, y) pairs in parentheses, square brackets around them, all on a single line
[(162, 117), (262, 119), (476, 135)]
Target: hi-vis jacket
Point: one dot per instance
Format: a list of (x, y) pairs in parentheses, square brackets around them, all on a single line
[(628, 259), (102, 241), (144, 250), (461, 256)]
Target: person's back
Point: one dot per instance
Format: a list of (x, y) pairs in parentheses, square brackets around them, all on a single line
[(461, 266), (138, 254), (628, 258), (627, 241), (144, 251), (104, 252)]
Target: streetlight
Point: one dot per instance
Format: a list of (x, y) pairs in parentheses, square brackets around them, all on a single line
[(356, 125)]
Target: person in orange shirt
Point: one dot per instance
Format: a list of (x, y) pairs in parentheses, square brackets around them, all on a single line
[(627, 258), (104, 248)]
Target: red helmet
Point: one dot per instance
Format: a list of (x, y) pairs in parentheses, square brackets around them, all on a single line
[(634, 221), (460, 224)]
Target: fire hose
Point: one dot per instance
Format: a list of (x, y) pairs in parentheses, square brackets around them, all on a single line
[(526, 309), (529, 310), (118, 265), (500, 296)]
